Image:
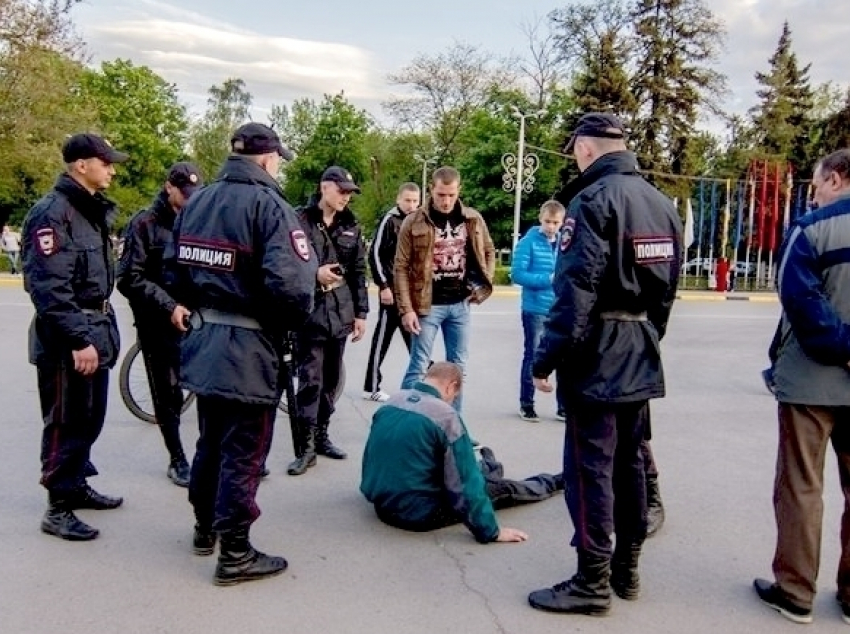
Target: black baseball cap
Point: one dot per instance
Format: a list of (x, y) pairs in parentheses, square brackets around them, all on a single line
[(186, 177), (256, 138), (597, 124), (86, 146), (341, 177)]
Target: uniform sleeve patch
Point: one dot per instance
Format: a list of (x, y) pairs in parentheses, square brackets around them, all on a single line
[(567, 232), (654, 250), (46, 241), (300, 244)]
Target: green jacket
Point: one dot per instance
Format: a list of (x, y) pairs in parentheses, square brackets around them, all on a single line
[(419, 459)]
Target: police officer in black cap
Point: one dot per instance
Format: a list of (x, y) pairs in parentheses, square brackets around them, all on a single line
[(158, 316), (244, 267), (615, 282), (342, 303), (73, 339)]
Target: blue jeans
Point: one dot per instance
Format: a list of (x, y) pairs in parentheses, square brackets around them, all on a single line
[(453, 319), (532, 330)]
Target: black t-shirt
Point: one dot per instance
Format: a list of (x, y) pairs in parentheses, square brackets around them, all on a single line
[(451, 257)]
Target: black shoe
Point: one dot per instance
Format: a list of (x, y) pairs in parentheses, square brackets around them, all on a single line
[(324, 447), (178, 472), (625, 580), (203, 541), (300, 465), (845, 611), (773, 597), (561, 414), (238, 561), (528, 414), (63, 523), (265, 472), (570, 597), (654, 507), (87, 498)]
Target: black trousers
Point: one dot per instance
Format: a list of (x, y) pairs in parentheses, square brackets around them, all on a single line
[(73, 408), (161, 352), (388, 322), (604, 474), (319, 366), (502, 492), (234, 441)]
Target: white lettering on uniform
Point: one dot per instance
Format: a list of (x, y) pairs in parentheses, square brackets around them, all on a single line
[(654, 250), (208, 256)]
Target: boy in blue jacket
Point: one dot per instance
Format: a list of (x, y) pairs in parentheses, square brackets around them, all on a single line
[(532, 267)]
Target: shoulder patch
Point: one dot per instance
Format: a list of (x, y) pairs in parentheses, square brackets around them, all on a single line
[(300, 244), (46, 241), (653, 250), (567, 232)]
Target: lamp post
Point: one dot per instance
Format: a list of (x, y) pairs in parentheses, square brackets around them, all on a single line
[(425, 163), (520, 169)]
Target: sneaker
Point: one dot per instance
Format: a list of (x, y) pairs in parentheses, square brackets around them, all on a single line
[(845, 611), (773, 597), (561, 414), (528, 413), (178, 472), (378, 397)]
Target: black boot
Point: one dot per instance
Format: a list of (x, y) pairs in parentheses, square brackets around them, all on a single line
[(305, 456), (654, 507), (625, 580), (238, 561), (588, 592), (87, 498), (203, 541), (59, 520), (324, 446)]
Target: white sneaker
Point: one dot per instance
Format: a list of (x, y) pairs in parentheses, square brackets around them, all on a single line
[(378, 397)]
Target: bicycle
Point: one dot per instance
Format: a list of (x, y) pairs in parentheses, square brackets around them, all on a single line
[(135, 391)]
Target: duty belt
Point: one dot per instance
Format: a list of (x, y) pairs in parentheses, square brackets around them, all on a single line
[(103, 308), (621, 315), (214, 316)]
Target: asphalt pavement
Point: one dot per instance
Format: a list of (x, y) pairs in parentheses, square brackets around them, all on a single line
[(714, 441)]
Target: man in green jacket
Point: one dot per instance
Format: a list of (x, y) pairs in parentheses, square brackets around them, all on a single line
[(420, 470)]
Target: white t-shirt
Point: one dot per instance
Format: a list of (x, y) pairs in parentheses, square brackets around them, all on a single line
[(12, 241)]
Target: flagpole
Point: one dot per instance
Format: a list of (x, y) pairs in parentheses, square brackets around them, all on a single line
[(751, 228)]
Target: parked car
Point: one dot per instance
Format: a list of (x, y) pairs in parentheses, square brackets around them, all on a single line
[(747, 269), (697, 266)]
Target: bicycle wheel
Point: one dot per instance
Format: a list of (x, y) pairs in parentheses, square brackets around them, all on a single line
[(283, 404), (135, 389)]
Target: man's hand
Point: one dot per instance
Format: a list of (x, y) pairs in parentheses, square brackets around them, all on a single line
[(543, 385), (410, 322), (178, 315), (359, 330), (86, 361), (511, 535), (326, 277), (387, 297)]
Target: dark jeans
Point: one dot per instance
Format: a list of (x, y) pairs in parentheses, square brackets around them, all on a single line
[(388, 322), (532, 329), (73, 407), (161, 352), (232, 448), (604, 474)]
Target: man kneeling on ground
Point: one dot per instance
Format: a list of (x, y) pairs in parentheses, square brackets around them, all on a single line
[(420, 470)]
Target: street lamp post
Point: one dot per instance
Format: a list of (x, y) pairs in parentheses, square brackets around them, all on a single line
[(519, 170), (425, 163)]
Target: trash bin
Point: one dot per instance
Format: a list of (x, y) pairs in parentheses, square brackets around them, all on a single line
[(722, 274)]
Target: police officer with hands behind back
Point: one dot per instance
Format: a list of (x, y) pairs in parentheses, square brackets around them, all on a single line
[(157, 315), (615, 283), (73, 339), (243, 265), (342, 303)]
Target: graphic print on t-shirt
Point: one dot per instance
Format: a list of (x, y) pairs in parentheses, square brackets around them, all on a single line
[(450, 252)]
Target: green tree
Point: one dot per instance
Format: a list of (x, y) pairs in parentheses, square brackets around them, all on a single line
[(228, 107), (139, 112), (834, 130), (782, 118), (296, 124)]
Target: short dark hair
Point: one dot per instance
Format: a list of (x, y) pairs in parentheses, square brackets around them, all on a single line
[(836, 163), (408, 187), (445, 175)]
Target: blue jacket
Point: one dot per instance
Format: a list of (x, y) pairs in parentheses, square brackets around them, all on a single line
[(532, 268)]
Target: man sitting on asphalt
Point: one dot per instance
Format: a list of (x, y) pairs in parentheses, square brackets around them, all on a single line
[(420, 470)]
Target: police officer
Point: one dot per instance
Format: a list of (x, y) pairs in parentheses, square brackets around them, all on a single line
[(158, 316), (342, 303), (73, 338), (244, 267), (615, 282)]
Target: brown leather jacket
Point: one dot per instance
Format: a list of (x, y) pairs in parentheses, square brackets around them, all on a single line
[(414, 260)]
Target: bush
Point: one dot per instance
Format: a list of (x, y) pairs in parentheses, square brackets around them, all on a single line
[(502, 276)]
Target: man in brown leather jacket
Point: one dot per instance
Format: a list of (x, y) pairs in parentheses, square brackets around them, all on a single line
[(445, 260)]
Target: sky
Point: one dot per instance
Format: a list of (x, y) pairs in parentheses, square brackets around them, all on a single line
[(285, 49)]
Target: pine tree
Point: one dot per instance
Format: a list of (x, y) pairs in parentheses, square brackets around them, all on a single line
[(782, 120), (602, 84)]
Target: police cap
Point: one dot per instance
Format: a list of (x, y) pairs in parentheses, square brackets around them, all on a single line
[(597, 124), (256, 138), (85, 146)]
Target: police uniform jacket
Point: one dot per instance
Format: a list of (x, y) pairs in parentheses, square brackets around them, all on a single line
[(342, 242), (141, 276), (238, 249), (69, 274), (615, 283)]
